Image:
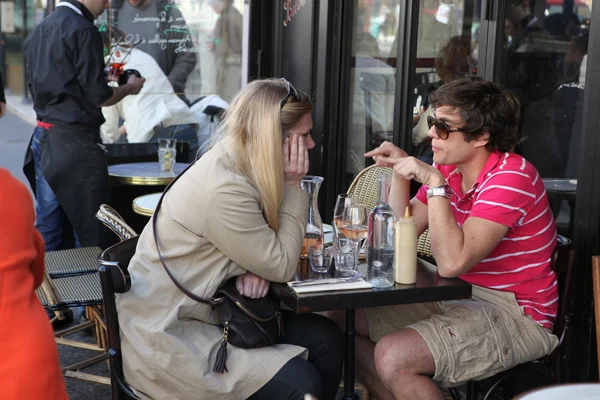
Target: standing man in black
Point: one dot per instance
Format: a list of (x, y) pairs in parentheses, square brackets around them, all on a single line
[(65, 163)]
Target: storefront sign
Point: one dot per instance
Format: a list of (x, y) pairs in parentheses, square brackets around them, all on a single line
[(290, 9), (7, 17)]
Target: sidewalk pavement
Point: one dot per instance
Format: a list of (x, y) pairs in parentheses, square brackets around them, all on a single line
[(22, 109)]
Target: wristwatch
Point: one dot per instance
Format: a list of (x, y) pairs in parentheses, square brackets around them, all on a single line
[(443, 191)]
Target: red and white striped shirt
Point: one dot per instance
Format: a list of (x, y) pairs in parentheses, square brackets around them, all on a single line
[(510, 191)]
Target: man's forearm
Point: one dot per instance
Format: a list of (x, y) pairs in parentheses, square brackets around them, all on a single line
[(119, 92), (447, 238), (399, 194)]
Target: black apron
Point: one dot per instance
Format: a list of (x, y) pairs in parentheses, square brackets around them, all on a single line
[(74, 165)]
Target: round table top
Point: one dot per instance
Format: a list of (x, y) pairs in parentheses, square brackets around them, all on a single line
[(579, 391), (146, 204), (147, 173)]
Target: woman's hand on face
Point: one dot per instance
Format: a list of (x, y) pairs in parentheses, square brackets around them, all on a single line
[(252, 286), (295, 160), (385, 153)]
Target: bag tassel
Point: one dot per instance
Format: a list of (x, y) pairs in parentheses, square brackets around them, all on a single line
[(279, 324), (220, 366)]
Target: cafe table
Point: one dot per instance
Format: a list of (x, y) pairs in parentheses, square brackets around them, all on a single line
[(146, 204), (429, 287), (143, 174)]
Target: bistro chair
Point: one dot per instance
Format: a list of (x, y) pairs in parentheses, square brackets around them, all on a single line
[(113, 220), (65, 286), (596, 283), (563, 264), (115, 278), (365, 188)]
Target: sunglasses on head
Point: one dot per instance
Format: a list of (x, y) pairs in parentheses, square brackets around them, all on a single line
[(442, 130), (291, 91)]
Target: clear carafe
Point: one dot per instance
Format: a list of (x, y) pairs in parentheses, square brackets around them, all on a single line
[(380, 242), (314, 227)]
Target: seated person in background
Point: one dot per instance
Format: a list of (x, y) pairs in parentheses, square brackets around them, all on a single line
[(452, 62), (490, 224), (156, 112), (238, 213), (29, 353)]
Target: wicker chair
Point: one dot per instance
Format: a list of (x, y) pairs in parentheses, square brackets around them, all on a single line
[(113, 220), (364, 188)]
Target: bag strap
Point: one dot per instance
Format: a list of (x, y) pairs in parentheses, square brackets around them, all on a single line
[(210, 301)]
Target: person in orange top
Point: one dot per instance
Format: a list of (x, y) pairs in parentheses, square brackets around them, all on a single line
[(29, 367)]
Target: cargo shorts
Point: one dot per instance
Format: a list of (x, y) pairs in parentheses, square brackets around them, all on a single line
[(469, 339)]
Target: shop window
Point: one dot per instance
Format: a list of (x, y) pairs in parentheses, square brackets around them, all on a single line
[(187, 50), (543, 62)]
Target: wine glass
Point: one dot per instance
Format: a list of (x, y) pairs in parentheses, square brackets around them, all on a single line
[(343, 200), (355, 225)]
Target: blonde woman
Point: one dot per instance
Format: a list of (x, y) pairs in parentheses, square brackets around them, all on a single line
[(238, 213)]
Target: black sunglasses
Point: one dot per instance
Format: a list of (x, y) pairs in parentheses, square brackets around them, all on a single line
[(291, 91), (442, 130)]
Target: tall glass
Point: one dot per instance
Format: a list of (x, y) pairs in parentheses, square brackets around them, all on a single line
[(355, 225), (167, 154)]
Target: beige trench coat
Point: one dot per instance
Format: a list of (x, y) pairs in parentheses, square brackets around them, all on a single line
[(210, 228)]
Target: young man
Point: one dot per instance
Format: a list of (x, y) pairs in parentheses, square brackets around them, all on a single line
[(490, 224), (64, 163)]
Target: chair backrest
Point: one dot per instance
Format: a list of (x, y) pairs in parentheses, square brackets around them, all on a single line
[(563, 264), (364, 188), (365, 185), (115, 278), (122, 153), (596, 283), (113, 220)]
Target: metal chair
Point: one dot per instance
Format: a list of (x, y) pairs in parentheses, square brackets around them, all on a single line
[(563, 264), (72, 289), (115, 278), (113, 220), (365, 187)]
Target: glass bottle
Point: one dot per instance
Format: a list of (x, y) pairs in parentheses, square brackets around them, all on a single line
[(314, 226), (380, 242)]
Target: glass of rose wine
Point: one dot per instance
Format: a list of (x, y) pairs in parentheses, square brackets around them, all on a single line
[(355, 225), (343, 200)]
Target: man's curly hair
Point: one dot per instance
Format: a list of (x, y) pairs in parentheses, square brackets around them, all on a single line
[(483, 107)]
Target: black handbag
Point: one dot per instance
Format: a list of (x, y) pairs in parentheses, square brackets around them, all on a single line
[(247, 323)]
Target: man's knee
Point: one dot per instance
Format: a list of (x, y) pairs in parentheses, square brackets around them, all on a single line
[(403, 353)]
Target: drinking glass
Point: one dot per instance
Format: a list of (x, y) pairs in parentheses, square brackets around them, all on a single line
[(355, 225), (343, 200), (344, 251), (320, 258), (167, 153)]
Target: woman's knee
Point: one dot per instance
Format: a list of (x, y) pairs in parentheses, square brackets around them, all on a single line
[(330, 333), (361, 324), (302, 378)]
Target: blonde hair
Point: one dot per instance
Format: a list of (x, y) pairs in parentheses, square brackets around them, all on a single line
[(255, 126)]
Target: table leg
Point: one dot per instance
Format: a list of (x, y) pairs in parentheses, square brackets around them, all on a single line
[(349, 358)]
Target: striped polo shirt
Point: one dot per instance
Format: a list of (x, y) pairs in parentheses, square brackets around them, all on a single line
[(509, 191)]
